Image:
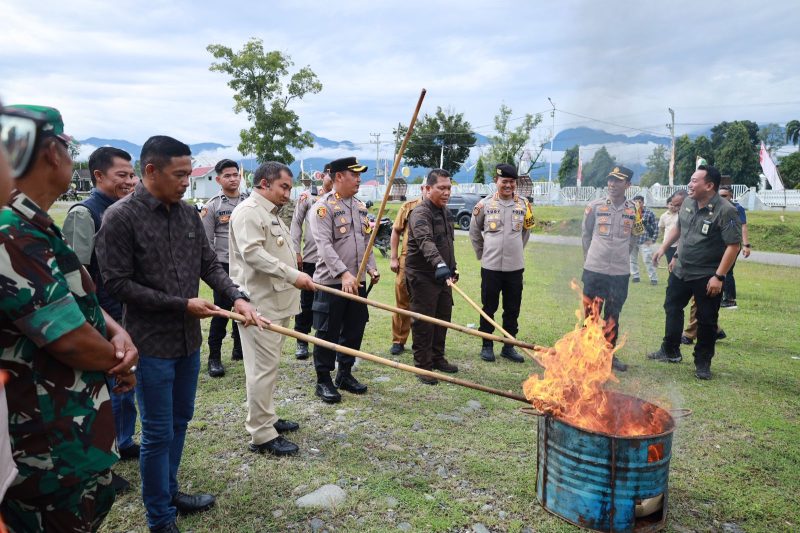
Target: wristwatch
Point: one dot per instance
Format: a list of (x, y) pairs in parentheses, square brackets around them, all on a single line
[(719, 277)]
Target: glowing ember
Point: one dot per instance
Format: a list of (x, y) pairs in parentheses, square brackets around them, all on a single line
[(576, 371)]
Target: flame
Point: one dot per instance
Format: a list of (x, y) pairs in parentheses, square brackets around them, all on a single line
[(576, 370)]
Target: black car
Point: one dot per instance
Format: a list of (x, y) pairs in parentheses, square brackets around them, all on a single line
[(461, 206)]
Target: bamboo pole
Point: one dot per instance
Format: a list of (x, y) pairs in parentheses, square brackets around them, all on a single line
[(380, 360), (363, 266), (425, 318), (480, 310)]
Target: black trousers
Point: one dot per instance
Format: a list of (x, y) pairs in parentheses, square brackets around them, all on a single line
[(338, 320), (219, 325), (612, 291), (305, 318), (670, 253), (493, 284), (679, 292), (429, 297)]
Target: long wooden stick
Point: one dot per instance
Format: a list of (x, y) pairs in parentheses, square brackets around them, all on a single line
[(491, 321), (363, 266), (425, 318), (380, 360)]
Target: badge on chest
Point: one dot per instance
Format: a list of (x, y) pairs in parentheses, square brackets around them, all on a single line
[(706, 226)]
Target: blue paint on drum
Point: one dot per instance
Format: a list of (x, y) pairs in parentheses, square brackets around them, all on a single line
[(594, 480)]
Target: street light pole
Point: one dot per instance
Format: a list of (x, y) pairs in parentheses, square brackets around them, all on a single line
[(552, 137)]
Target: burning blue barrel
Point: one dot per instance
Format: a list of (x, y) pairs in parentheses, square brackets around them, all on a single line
[(606, 482)]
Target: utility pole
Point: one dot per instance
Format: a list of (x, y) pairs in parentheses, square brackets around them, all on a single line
[(552, 137), (377, 142), (671, 127), (441, 157)]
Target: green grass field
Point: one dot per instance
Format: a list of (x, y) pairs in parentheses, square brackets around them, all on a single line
[(407, 453)]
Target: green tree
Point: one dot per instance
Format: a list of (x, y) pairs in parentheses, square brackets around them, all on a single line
[(686, 154), (595, 174), (738, 157), (263, 91), (508, 143), (773, 136), (444, 129), (793, 132), (480, 173), (657, 167), (720, 132), (568, 170), (789, 167)]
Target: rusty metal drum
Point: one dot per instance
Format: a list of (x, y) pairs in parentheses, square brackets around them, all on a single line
[(605, 482)]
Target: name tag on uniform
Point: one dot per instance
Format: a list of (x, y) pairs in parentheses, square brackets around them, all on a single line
[(706, 225)]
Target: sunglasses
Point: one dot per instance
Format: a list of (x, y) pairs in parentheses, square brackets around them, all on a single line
[(19, 133)]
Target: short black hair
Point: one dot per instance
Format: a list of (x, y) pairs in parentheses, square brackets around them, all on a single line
[(225, 163), (158, 150), (434, 175), (712, 175), (726, 188), (269, 171), (103, 158), (637, 197)]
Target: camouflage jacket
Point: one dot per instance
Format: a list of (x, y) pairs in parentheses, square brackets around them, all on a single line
[(59, 418)]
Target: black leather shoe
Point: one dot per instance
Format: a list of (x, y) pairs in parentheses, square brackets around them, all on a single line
[(278, 446), (285, 426), (120, 484), (328, 393), (444, 366), (511, 354), (302, 350), (487, 353), (129, 453), (169, 528), (720, 335), (349, 383), (193, 503), (236, 353), (215, 368), (397, 348), (686, 340), (428, 380), (618, 365)]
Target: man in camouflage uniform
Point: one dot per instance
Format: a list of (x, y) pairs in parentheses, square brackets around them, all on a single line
[(307, 260), (341, 230), (216, 215), (608, 236), (57, 343), (499, 230)]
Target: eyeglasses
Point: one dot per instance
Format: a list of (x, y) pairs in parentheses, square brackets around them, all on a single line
[(19, 133)]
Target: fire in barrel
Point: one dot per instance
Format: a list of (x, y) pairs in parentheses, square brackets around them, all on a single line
[(603, 457)]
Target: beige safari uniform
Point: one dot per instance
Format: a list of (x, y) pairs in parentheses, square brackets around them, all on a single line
[(263, 264), (401, 324), (499, 231), (608, 237), (341, 230), (300, 228)]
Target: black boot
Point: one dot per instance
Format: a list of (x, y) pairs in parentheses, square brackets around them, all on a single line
[(236, 353), (302, 350), (511, 354), (487, 351), (345, 381), (702, 367), (215, 368)]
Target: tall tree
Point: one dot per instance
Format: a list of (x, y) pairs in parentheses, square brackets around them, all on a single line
[(480, 172), (793, 132), (568, 170), (596, 172), (686, 154), (773, 136), (738, 157), (657, 167), (507, 144), (444, 130), (789, 167), (263, 91), (721, 131)]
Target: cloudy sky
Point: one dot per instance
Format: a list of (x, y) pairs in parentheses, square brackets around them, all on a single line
[(128, 70)]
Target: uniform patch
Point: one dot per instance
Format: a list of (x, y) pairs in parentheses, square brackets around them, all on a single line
[(604, 230), (529, 220), (477, 210), (203, 212), (587, 210), (224, 219), (322, 211)]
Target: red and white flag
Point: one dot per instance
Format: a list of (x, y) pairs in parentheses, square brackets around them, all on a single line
[(580, 167), (770, 170)]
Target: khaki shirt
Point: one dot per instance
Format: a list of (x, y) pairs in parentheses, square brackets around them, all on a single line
[(499, 231), (401, 225), (341, 230), (263, 259), (216, 215), (300, 228), (705, 233), (608, 236)]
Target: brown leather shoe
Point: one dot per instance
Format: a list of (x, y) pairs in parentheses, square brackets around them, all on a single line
[(444, 366)]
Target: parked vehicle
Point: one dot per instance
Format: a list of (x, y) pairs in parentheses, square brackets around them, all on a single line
[(384, 229), (461, 206)]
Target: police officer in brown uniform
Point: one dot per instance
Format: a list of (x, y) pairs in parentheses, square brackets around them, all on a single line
[(341, 230), (430, 263), (307, 260), (499, 231), (216, 215), (608, 237)]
